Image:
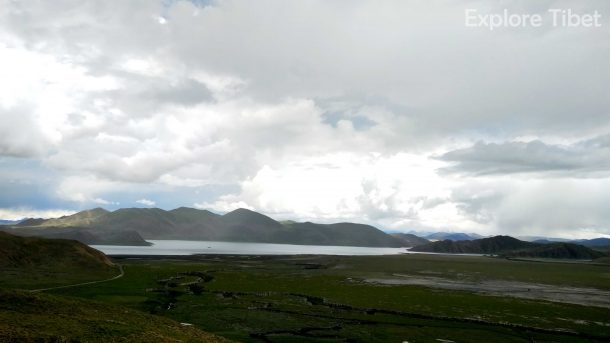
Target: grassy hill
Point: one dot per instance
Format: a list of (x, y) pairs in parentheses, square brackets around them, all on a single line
[(24, 252), (559, 250), (27, 317), (33, 262), (509, 246), (82, 218), (492, 245), (595, 242), (347, 234)]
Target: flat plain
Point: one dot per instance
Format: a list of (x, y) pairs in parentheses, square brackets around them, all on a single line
[(357, 298)]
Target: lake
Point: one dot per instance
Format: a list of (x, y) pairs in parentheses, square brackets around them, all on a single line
[(178, 247)]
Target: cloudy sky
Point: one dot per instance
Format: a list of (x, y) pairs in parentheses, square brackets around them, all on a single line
[(391, 113)]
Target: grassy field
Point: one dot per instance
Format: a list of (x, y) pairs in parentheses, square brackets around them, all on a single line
[(327, 298), (32, 278), (27, 317)]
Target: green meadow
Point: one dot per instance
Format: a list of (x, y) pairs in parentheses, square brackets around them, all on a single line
[(332, 298)]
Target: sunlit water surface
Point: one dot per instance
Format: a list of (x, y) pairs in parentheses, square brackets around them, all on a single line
[(178, 247)]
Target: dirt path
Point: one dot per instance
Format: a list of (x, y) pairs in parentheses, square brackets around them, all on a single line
[(82, 283)]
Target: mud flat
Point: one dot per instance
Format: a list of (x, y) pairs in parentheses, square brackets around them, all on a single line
[(536, 291)]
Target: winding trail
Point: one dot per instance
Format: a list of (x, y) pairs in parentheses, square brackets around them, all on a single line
[(82, 283)]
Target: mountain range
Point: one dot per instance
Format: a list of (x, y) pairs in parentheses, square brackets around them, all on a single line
[(460, 236), (409, 239), (511, 247), (595, 242), (453, 236), (132, 226)]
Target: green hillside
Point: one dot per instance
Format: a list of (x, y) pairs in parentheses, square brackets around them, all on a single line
[(30, 252), (559, 250), (349, 234), (82, 218), (512, 247), (33, 262), (36, 263), (492, 245)]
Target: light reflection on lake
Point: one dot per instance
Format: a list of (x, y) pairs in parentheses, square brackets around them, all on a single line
[(178, 247)]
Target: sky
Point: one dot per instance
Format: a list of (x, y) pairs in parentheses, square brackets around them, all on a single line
[(391, 113)]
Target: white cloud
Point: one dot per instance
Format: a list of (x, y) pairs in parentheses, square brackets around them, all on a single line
[(101, 201), (395, 190), (223, 206), (144, 66), (146, 202), (21, 213), (563, 207), (83, 189)]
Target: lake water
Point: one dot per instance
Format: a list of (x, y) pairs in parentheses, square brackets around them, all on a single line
[(176, 247)]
